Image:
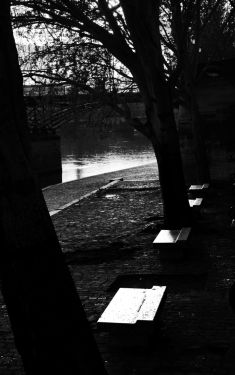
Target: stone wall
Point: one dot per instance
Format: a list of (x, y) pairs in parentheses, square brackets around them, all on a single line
[(47, 159)]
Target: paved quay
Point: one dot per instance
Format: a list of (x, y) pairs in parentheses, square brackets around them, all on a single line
[(112, 248), (61, 194), (107, 241)]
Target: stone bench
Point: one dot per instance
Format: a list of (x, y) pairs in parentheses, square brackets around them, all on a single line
[(198, 189), (196, 204), (171, 242), (133, 311)]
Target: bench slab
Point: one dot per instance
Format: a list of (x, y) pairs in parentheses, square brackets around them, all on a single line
[(199, 187), (197, 202), (171, 236), (130, 306), (167, 236), (170, 243), (184, 234)]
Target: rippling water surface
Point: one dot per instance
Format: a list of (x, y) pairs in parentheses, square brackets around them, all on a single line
[(92, 152)]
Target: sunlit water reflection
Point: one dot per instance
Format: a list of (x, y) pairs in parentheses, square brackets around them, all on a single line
[(92, 153)]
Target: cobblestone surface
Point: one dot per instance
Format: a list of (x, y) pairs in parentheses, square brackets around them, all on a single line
[(58, 195), (107, 242)]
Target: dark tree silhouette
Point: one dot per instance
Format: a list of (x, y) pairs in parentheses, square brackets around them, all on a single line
[(50, 328), (193, 32), (129, 30)]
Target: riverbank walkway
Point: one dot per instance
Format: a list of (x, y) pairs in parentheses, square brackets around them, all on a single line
[(107, 241), (61, 194)]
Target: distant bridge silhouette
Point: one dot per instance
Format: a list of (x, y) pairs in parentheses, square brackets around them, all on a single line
[(50, 119), (47, 114)]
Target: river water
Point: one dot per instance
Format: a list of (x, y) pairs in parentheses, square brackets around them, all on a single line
[(92, 152)]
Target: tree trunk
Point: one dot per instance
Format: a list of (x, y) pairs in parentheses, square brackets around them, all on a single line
[(143, 22), (164, 138), (50, 328)]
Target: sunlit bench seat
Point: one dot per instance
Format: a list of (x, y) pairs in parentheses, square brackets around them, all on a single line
[(196, 205), (133, 309), (171, 242), (198, 187), (198, 190)]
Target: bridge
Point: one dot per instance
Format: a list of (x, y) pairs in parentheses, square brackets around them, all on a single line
[(47, 113)]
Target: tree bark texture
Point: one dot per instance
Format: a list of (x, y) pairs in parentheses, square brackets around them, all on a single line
[(174, 194), (142, 20), (50, 328)]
